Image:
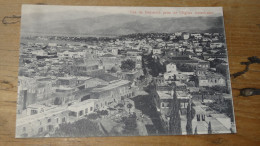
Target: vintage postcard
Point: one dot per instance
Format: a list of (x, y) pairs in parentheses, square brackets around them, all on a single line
[(89, 71)]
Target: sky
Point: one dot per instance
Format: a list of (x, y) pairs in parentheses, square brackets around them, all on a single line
[(94, 11)]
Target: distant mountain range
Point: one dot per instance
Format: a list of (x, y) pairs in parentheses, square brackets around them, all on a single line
[(115, 25)]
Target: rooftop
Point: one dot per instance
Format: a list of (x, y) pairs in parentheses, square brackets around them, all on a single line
[(66, 78), (111, 86), (164, 94), (78, 105), (49, 113), (83, 78), (108, 55)]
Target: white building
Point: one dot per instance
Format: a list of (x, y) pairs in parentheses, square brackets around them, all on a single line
[(81, 109), (171, 67), (157, 51)]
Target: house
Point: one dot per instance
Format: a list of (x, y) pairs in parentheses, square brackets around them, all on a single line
[(157, 51), (38, 124), (89, 67), (133, 53), (39, 52), (111, 94), (39, 90), (199, 49), (171, 67), (66, 81), (185, 36), (52, 44), (216, 44), (80, 109), (180, 86), (223, 69), (178, 33), (211, 80), (163, 100), (220, 123), (109, 61), (196, 35), (114, 51), (200, 72), (131, 76), (35, 109)]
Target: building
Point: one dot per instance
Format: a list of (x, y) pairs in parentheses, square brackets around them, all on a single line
[(80, 109), (163, 100), (157, 51), (196, 35), (39, 52), (220, 123), (171, 67), (66, 82), (185, 36), (223, 69), (211, 80), (111, 94), (38, 124), (109, 61), (32, 90), (90, 69), (216, 44)]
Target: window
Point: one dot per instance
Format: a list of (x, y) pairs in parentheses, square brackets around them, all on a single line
[(63, 119), (86, 110), (73, 114), (203, 117), (91, 108), (49, 120), (57, 120), (40, 130), (80, 113), (50, 127), (24, 129), (198, 117), (162, 104), (33, 112)]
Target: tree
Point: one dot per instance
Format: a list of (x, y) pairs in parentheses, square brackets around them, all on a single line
[(113, 70), (209, 128), (154, 66), (130, 125), (189, 119), (120, 105), (57, 101), (175, 119), (196, 131), (80, 128), (93, 116), (216, 62), (129, 106), (174, 77), (127, 65)]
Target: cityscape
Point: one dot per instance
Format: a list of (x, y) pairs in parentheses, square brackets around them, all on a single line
[(133, 84)]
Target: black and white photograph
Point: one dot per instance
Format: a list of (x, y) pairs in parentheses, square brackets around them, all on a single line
[(98, 71)]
